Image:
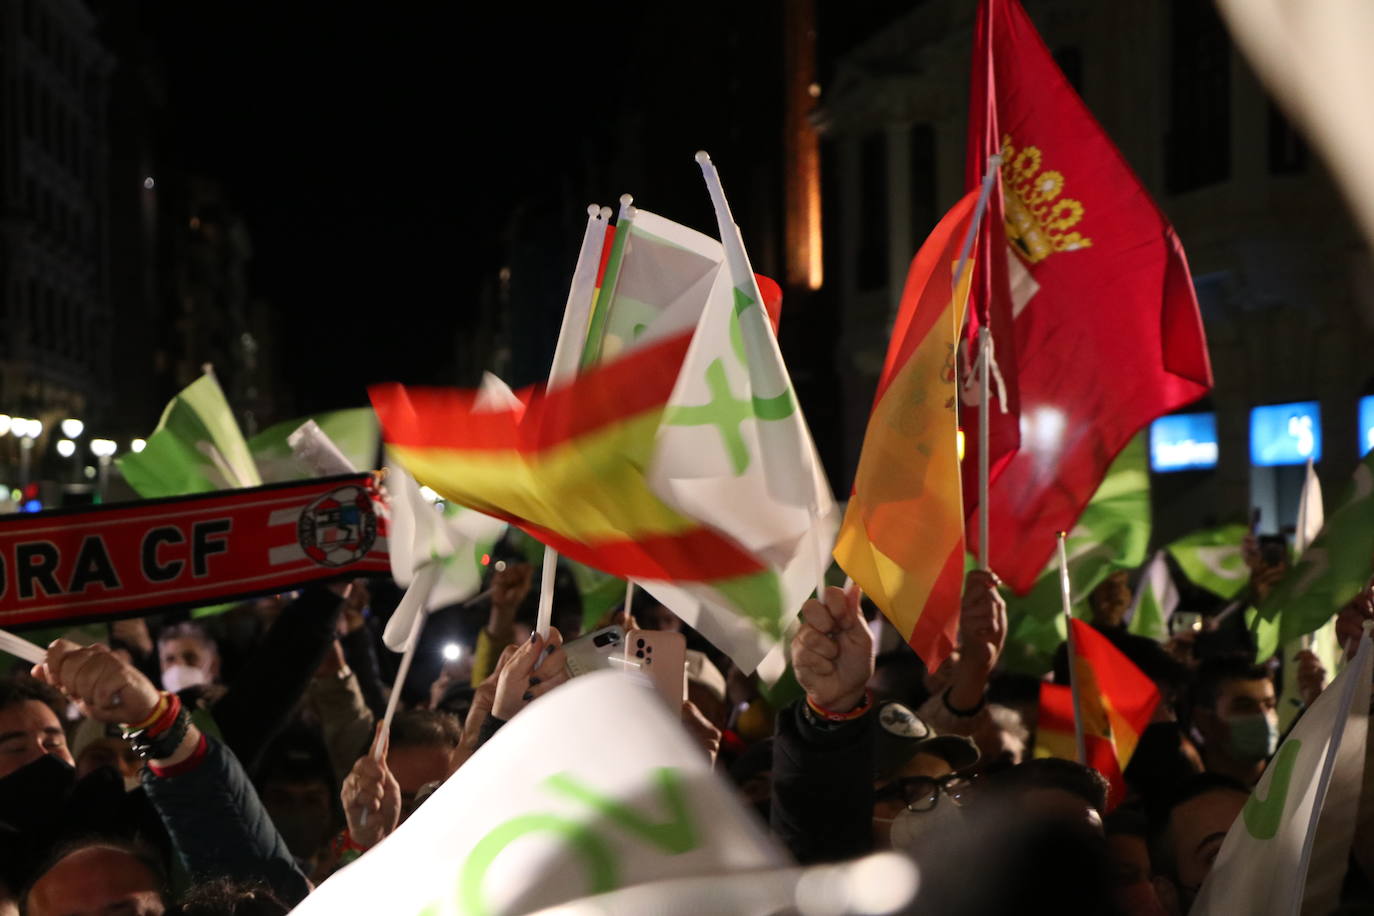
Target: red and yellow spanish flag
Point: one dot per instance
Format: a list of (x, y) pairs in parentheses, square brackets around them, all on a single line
[(566, 465), (902, 539), (1116, 702)]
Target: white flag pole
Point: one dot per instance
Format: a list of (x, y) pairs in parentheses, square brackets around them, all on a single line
[(420, 588), (1064, 591), (984, 452), (984, 359), (22, 648), (567, 354)]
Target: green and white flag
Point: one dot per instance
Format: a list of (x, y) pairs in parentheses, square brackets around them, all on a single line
[(732, 450), (1156, 599), (593, 788), (1323, 642), (354, 431), (419, 534), (1287, 852), (1334, 567), (196, 448), (658, 277), (1112, 534), (1212, 559)]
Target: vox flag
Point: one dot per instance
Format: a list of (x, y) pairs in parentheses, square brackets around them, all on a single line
[(1092, 311), (1287, 852)]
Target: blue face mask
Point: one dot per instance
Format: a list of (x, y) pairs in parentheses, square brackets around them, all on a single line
[(1254, 736)]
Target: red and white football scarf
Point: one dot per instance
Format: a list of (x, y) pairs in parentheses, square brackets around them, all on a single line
[(130, 558)]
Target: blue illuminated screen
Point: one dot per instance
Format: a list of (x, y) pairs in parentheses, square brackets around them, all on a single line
[(1366, 424), (1183, 442), (1285, 433)]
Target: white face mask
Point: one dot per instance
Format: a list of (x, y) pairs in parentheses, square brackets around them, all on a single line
[(176, 678), (912, 829)]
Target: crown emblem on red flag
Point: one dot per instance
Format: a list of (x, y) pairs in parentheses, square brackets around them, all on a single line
[(1038, 219)]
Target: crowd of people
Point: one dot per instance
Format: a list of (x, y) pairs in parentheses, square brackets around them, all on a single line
[(229, 763)]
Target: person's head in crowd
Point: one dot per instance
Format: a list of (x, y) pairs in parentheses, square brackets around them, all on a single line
[(1008, 860), (30, 723), (1110, 601), (1003, 741), (101, 744), (1128, 851), (706, 688), (918, 789), (652, 615), (1052, 788), (1235, 711), (296, 785), (96, 878), (1164, 759), (225, 897), (188, 655), (420, 751), (1186, 835)]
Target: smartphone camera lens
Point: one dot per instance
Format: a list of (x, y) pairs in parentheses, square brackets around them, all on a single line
[(640, 643)]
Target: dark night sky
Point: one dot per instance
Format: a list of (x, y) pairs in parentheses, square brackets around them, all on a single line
[(371, 155), (375, 150)]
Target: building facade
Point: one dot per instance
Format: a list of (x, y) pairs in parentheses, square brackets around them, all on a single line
[(54, 266), (1283, 279)]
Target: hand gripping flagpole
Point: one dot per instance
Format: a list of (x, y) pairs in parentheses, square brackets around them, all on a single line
[(1064, 591), (572, 335), (985, 358)]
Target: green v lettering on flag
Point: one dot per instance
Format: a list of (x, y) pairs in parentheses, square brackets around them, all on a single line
[(1263, 816)]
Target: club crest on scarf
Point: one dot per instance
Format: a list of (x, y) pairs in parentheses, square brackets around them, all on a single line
[(339, 527)]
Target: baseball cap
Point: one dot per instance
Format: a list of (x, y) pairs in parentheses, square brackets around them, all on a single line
[(902, 735)]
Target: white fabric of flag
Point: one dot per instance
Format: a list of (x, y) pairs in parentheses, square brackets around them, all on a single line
[(593, 788), (419, 535), (1156, 599), (1323, 642), (1302, 812), (733, 450)]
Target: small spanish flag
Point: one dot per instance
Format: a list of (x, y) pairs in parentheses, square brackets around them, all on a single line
[(1116, 701), (902, 539)]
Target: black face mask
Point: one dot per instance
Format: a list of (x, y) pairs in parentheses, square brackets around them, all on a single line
[(30, 795)]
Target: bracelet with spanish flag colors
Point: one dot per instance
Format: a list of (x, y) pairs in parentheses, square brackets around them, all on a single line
[(164, 700), (855, 713)]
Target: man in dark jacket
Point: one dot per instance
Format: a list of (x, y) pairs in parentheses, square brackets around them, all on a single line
[(209, 808), (846, 771)]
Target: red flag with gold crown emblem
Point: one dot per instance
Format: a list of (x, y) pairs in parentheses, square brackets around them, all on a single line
[(1086, 290)]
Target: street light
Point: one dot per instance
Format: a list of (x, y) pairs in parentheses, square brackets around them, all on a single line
[(27, 430), (103, 449), (6, 421), (66, 448), (72, 429), (138, 445)]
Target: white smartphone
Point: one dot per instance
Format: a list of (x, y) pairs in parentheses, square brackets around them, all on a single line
[(596, 651)]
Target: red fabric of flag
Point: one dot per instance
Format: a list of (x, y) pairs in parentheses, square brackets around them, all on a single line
[(1091, 305)]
